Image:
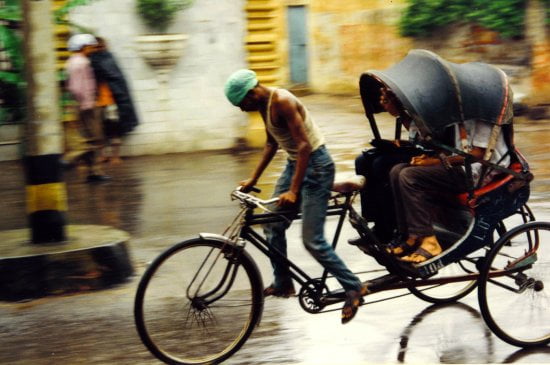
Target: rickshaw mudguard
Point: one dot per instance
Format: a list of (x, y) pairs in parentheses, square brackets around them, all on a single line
[(493, 207)]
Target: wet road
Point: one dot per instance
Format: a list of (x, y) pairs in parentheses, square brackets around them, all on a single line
[(161, 200)]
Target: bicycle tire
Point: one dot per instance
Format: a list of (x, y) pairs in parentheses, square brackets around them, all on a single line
[(446, 293), (515, 305), (435, 295), (174, 323)]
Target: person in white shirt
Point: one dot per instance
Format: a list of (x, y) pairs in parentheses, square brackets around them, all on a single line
[(414, 185)]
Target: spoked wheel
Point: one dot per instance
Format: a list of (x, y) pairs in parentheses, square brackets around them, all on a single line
[(449, 292), (198, 302), (514, 286)]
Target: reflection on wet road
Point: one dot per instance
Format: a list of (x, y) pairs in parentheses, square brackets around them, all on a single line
[(161, 200)]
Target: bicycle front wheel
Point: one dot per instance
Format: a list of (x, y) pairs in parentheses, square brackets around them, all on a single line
[(198, 302), (514, 286)]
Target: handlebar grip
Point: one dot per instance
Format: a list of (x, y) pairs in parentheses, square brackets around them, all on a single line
[(255, 189)]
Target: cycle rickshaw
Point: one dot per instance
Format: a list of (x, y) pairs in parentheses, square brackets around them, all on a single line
[(199, 301)]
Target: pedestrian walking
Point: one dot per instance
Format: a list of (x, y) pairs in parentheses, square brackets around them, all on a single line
[(82, 85), (114, 99)]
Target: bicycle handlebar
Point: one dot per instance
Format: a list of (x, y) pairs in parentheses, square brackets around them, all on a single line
[(251, 199)]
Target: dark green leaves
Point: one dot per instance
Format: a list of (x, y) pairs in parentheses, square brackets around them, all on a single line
[(422, 17), (159, 14)]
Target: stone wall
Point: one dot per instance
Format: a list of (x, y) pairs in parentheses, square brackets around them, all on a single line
[(195, 115), (537, 34), (189, 112), (472, 43), (352, 37)]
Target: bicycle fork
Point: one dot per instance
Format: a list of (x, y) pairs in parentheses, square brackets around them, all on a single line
[(201, 301)]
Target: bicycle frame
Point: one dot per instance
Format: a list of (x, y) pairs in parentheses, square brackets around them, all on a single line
[(251, 219), (398, 276)]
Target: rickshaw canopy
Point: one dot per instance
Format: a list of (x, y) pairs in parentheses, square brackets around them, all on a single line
[(438, 93)]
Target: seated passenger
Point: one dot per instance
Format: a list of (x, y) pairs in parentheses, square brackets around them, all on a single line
[(417, 188), (376, 163)]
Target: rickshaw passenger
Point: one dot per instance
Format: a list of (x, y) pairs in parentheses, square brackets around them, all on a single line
[(376, 197), (418, 186)]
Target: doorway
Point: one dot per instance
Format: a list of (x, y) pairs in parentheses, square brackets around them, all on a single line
[(298, 53)]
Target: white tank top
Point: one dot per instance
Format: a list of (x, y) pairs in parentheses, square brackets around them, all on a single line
[(283, 135)]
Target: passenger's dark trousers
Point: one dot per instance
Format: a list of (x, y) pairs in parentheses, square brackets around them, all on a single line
[(418, 192), (376, 197)]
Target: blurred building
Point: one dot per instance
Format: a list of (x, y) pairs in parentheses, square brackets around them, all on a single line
[(309, 46)]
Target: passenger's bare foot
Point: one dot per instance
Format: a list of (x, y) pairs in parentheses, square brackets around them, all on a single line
[(428, 248), (403, 248)]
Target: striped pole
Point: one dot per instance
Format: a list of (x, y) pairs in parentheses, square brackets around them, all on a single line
[(46, 192)]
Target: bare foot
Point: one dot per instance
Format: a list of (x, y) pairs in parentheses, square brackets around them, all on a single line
[(428, 248)]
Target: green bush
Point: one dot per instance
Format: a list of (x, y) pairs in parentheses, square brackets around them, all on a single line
[(10, 10), (547, 6), (159, 14), (422, 17), (12, 82)]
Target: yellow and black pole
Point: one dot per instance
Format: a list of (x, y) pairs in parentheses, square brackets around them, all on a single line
[(46, 192)]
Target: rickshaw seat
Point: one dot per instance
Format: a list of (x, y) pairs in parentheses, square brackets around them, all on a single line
[(471, 202), (350, 185)]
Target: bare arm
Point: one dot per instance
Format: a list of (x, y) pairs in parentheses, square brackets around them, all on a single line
[(424, 160), (269, 151)]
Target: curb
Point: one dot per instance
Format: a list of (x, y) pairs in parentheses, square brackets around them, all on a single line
[(93, 257)]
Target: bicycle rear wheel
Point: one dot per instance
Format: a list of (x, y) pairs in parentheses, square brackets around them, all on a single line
[(198, 302), (514, 286), (449, 292)]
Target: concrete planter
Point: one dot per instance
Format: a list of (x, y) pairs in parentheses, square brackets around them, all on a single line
[(161, 51)]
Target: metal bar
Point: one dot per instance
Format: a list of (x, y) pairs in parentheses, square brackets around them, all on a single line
[(264, 218), (373, 125), (261, 244), (521, 176), (341, 219), (503, 286)]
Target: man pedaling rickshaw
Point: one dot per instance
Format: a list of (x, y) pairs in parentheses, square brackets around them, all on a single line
[(482, 141)]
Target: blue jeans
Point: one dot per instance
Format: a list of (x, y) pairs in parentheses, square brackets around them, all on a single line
[(313, 201)]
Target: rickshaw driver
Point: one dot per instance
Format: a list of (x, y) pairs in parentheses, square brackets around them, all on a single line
[(306, 180), (425, 177)]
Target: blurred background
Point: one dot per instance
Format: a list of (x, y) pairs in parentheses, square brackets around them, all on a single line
[(309, 46), (191, 147)]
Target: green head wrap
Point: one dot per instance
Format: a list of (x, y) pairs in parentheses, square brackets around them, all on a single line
[(239, 84)]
